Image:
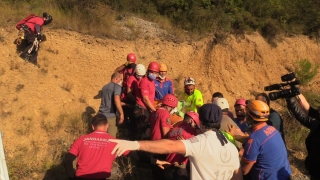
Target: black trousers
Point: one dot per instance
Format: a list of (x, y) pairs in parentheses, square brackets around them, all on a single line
[(140, 123), (175, 173), (30, 37)]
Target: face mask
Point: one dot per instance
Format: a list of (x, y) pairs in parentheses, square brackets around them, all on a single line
[(138, 77), (162, 77), (151, 76), (120, 83)]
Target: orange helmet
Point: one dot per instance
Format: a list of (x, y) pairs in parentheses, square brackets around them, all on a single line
[(258, 110), (163, 67)]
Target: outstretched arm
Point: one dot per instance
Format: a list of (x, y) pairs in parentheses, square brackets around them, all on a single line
[(163, 146)]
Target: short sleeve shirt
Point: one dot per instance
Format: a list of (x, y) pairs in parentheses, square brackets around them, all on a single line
[(89, 149), (163, 88), (209, 159), (159, 119), (193, 101), (266, 148), (107, 106), (146, 88), (133, 84)]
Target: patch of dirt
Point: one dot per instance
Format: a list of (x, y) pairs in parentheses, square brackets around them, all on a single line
[(83, 64)]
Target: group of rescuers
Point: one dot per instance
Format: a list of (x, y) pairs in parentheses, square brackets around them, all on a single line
[(187, 139)]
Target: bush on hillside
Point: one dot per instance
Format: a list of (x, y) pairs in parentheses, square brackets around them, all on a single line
[(305, 71)]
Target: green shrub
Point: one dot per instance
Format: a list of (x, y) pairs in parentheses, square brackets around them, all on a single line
[(305, 71)]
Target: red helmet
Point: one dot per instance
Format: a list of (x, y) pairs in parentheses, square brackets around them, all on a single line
[(194, 116), (154, 66), (170, 100), (131, 57), (240, 101)]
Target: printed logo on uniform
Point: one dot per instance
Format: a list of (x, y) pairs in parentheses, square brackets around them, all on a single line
[(168, 121), (199, 100), (156, 85), (225, 155), (194, 139)]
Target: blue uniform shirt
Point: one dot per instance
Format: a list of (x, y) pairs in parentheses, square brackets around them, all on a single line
[(266, 148), (163, 89)]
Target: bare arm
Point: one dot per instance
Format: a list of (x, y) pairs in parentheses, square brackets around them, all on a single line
[(120, 68), (304, 103), (163, 146), (119, 107), (237, 175), (165, 131), (148, 103), (246, 166)]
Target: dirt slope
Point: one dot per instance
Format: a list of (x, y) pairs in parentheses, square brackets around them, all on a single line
[(34, 97)]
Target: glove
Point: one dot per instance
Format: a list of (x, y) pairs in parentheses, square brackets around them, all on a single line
[(39, 37), (123, 146)]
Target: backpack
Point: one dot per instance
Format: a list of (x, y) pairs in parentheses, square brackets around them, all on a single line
[(23, 21)]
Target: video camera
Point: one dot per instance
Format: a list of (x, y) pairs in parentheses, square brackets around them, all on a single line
[(285, 90)]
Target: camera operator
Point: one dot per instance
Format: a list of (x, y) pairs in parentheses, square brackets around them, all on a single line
[(308, 117)]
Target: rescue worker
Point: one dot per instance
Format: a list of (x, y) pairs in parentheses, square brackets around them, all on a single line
[(185, 129), (265, 155), (192, 96), (94, 154), (240, 109), (145, 98), (110, 102), (127, 69), (217, 95), (160, 123), (32, 33), (210, 154), (227, 121), (89, 149), (132, 92), (275, 119), (163, 84)]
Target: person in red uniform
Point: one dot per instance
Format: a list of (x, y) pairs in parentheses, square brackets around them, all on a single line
[(127, 69), (160, 123), (185, 129), (32, 33), (145, 98), (93, 152), (132, 92)]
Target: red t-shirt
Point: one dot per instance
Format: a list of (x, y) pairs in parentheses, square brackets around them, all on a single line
[(94, 155), (159, 119), (146, 88), (185, 131), (133, 84), (127, 73)]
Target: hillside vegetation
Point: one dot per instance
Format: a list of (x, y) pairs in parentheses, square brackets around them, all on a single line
[(198, 17), (42, 110)]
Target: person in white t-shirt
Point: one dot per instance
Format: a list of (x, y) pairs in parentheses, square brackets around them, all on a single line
[(211, 155)]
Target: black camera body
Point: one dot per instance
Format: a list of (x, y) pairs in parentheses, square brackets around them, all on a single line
[(284, 90)]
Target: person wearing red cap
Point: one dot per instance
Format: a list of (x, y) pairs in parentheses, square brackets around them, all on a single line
[(240, 109), (145, 97), (210, 154), (185, 129), (127, 69)]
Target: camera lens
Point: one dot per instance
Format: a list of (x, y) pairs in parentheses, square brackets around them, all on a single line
[(274, 96)]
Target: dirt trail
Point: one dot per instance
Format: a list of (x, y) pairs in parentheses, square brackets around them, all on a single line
[(32, 97)]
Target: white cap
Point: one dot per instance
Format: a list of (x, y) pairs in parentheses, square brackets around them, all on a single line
[(189, 81), (222, 103), (141, 70)]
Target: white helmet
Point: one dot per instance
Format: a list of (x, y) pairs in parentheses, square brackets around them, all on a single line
[(222, 103), (141, 70)]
